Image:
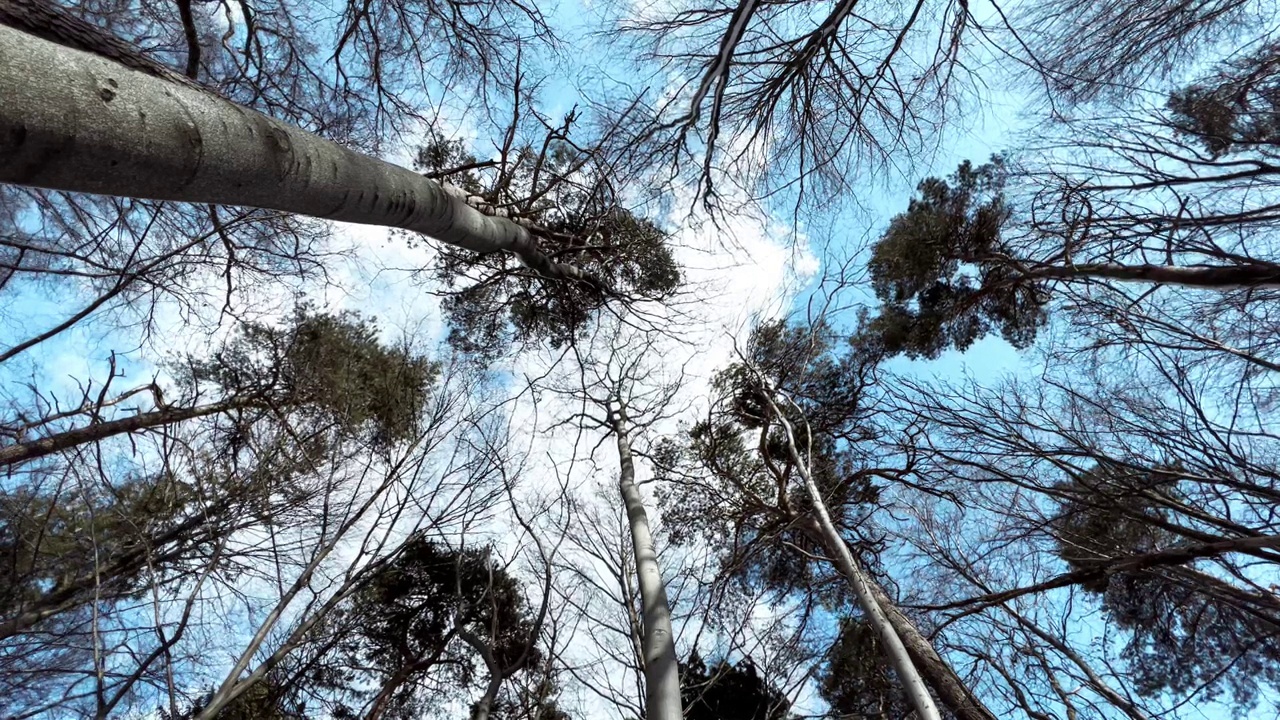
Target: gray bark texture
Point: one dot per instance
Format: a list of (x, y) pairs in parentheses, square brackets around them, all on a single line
[(661, 672), (81, 112)]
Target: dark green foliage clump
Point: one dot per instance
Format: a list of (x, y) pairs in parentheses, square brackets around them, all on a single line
[(51, 543), (856, 681), (821, 374), (493, 301), (1188, 630), (1107, 521), (408, 608), (1235, 110), (942, 274), (329, 367), (400, 628), (729, 692), (397, 642)]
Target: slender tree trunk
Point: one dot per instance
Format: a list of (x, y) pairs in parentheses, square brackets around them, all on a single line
[(100, 119), (389, 688), (661, 675), (910, 653), (1211, 277), (825, 531), (484, 706), (24, 451)]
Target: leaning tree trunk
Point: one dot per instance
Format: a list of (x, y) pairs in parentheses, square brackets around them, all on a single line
[(909, 652), (80, 112), (821, 527), (23, 451), (954, 694), (661, 674)]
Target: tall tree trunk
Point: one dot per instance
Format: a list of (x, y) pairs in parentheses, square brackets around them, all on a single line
[(825, 531), (83, 114), (24, 451), (661, 674), (383, 699), (910, 652)]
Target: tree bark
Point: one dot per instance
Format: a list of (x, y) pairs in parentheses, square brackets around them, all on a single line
[(661, 674), (910, 653), (484, 706), (24, 451), (85, 114), (389, 688)]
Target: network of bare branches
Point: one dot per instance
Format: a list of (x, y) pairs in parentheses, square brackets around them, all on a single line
[(782, 96)]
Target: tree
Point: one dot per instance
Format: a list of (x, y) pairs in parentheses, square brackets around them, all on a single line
[(365, 514), (131, 257), (120, 549), (537, 207), (61, 547), (960, 263), (1232, 111), (799, 367), (923, 270), (822, 527), (224, 154), (1111, 495), (82, 535), (609, 392), (572, 194), (662, 682), (356, 81), (267, 700), (328, 368), (312, 521), (1190, 630), (405, 626)]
